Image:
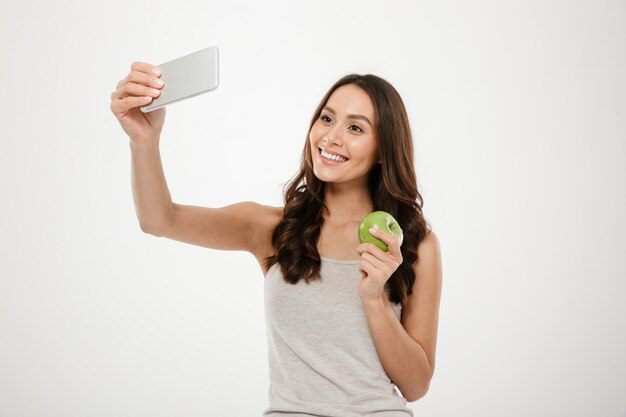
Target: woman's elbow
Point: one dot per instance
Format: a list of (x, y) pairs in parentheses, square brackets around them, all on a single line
[(418, 393)]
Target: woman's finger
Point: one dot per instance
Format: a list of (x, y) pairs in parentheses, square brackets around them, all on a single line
[(374, 261), (389, 239)]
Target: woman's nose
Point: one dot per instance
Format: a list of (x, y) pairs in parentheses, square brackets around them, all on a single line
[(333, 137)]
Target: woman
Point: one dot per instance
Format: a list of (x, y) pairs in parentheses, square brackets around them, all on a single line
[(346, 322)]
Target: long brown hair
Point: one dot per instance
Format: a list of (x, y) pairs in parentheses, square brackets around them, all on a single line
[(392, 186)]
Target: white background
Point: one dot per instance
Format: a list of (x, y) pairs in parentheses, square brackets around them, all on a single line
[(518, 111)]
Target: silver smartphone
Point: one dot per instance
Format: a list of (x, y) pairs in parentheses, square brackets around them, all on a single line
[(186, 77)]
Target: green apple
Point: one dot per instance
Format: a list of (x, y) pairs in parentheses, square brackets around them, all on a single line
[(385, 222)]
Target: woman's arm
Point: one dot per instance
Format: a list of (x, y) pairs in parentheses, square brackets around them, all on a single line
[(240, 226), (153, 203), (406, 348)]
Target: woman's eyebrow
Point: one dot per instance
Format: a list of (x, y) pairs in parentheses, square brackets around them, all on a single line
[(350, 116)]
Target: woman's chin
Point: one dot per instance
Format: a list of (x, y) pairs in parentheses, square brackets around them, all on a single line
[(324, 174)]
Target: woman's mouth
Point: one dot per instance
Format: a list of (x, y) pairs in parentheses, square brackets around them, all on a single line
[(330, 158)]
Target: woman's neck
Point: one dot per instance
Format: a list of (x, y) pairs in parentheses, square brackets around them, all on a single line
[(346, 202)]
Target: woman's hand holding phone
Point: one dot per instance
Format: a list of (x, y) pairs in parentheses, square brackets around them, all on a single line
[(137, 89)]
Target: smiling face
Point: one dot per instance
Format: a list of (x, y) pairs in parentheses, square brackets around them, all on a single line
[(345, 129)]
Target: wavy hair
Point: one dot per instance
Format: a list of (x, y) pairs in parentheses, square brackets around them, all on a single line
[(392, 186)]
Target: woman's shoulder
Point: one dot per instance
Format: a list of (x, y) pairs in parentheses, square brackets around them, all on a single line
[(264, 217), (267, 218), (273, 213), (263, 210)]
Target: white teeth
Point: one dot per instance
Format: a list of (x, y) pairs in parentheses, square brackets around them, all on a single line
[(333, 157)]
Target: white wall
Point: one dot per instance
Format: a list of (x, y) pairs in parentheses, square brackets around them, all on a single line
[(518, 110)]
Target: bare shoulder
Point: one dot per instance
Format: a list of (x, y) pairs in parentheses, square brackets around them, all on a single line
[(262, 221), (430, 245), (429, 256), (267, 220), (270, 215)]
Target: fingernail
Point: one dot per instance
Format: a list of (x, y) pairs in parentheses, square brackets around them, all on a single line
[(373, 230), (156, 71)]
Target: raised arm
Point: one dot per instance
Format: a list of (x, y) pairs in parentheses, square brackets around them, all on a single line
[(242, 226)]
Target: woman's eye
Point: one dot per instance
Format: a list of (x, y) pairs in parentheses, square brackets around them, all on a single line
[(327, 119)]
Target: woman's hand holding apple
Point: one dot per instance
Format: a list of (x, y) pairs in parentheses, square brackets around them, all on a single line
[(377, 266)]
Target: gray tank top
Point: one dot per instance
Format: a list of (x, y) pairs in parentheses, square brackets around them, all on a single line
[(322, 359)]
